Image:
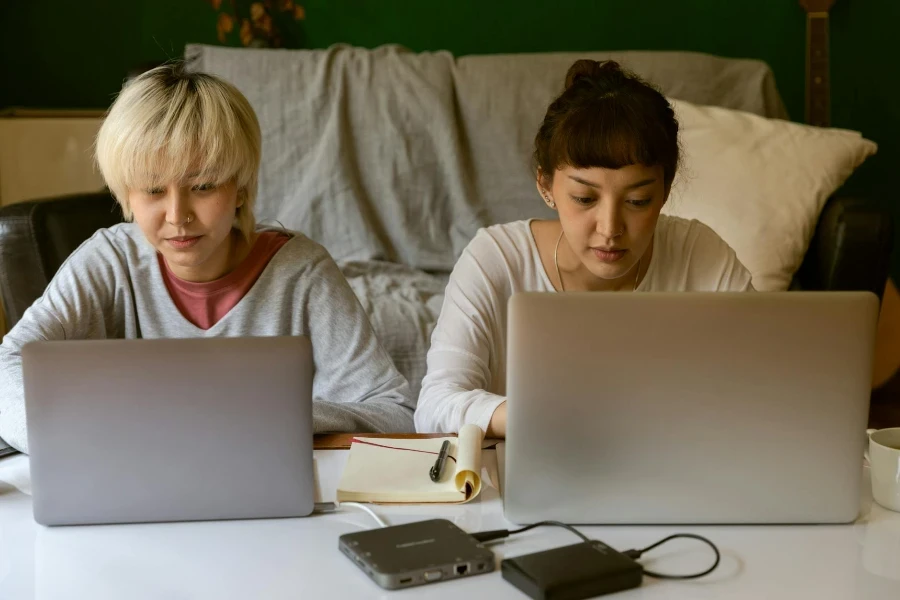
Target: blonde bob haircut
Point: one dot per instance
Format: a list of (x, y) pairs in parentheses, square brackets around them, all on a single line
[(168, 125)]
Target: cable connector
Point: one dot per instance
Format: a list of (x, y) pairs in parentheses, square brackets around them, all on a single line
[(497, 534), (489, 536)]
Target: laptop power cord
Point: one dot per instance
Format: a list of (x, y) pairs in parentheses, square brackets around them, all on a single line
[(381, 522), (589, 568)]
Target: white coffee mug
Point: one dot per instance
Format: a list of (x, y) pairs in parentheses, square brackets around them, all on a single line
[(884, 463)]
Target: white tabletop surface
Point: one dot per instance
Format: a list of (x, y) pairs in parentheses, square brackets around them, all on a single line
[(299, 558)]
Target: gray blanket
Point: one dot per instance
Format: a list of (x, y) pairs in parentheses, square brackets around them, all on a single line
[(391, 155), (361, 149), (403, 304)]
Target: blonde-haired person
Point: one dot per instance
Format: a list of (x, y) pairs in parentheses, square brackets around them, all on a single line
[(180, 152)]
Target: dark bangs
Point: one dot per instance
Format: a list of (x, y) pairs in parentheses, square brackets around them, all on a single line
[(611, 136), (608, 118)]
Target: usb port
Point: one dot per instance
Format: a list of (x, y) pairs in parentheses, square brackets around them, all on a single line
[(405, 581)]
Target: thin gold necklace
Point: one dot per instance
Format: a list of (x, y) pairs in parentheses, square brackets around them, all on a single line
[(562, 286)]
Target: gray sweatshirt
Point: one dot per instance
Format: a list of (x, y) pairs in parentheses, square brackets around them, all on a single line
[(111, 287)]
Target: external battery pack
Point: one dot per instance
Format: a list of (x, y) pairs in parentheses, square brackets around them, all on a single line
[(572, 572)]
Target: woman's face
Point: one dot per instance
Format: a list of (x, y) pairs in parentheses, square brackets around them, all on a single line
[(609, 215), (190, 223)]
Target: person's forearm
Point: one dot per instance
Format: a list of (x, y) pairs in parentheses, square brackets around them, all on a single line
[(12, 400), (445, 406), (364, 417)]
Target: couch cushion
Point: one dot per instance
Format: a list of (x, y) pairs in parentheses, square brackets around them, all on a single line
[(760, 183)]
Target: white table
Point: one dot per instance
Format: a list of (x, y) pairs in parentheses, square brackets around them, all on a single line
[(298, 558)]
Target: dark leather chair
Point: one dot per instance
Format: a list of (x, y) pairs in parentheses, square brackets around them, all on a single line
[(851, 248), (37, 237)]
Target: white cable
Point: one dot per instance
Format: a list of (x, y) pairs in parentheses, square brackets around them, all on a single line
[(379, 520)]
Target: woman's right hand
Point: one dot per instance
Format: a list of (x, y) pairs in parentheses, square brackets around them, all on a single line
[(497, 426)]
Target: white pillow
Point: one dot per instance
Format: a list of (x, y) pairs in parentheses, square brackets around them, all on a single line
[(760, 183)]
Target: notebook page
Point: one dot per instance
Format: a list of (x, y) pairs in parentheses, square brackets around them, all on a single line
[(398, 470)]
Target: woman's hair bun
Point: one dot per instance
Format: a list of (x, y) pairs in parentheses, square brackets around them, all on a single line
[(592, 70), (607, 117)]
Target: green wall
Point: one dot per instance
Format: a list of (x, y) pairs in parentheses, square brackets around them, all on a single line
[(60, 53)]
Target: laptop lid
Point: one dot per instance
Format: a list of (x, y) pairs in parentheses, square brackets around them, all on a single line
[(687, 407), (169, 429)]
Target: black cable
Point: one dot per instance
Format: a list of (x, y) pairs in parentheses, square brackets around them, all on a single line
[(496, 534), (636, 554), (554, 524)]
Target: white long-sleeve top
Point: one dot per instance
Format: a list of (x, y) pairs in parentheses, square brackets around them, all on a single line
[(466, 377)]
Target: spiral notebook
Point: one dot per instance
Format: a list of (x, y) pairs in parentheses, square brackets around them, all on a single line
[(396, 471)]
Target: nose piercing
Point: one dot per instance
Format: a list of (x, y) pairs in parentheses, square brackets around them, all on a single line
[(186, 222)]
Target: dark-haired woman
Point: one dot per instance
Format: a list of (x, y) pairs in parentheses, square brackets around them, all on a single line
[(605, 158)]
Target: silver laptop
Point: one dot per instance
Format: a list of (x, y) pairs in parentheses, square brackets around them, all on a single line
[(126, 431), (688, 407)]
